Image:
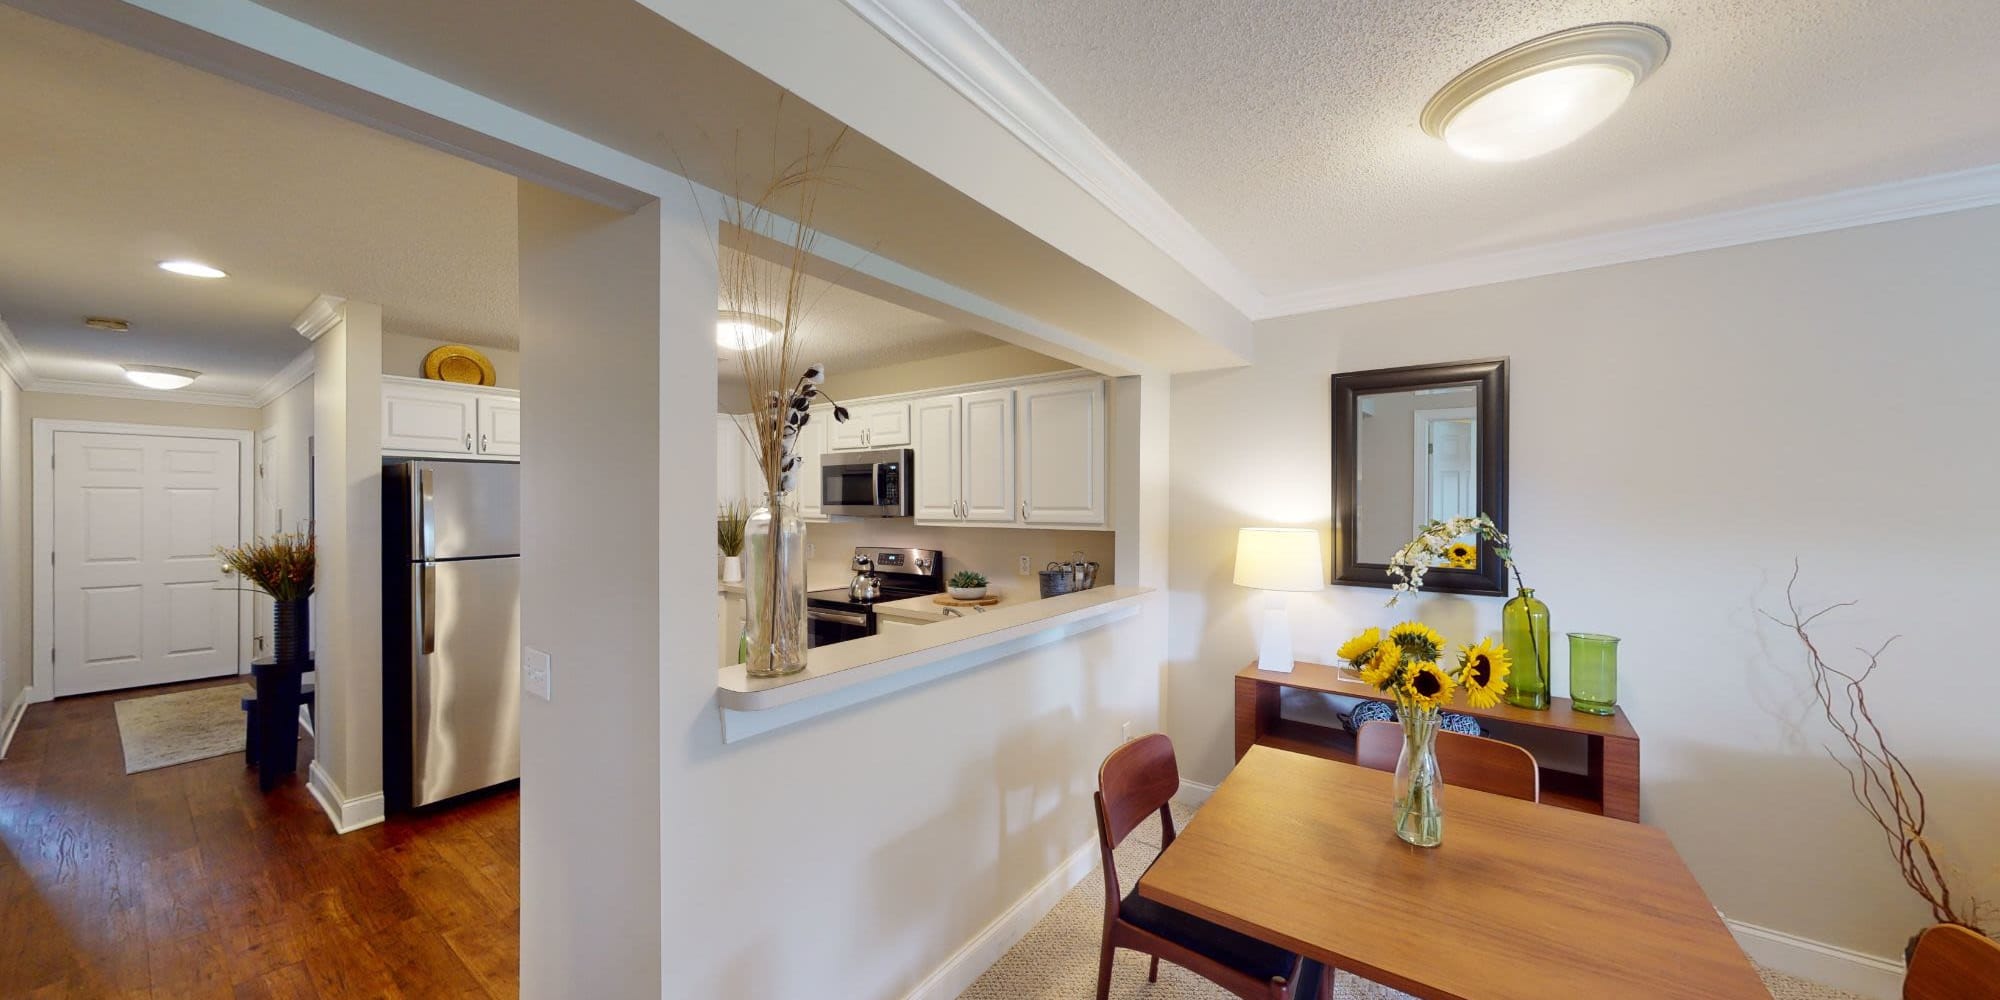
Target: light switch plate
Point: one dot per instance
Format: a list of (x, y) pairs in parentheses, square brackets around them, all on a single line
[(535, 672)]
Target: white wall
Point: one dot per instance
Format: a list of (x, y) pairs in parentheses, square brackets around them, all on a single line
[(1682, 430), (284, 481), (17, 669)]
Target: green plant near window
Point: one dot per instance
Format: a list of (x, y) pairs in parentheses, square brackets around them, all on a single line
[(729, 522), (966, 579)]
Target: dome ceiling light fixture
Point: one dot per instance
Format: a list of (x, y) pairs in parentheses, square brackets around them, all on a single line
[(109, 324), (1545, 93), (192, 269), (157, 377), (742, 331)]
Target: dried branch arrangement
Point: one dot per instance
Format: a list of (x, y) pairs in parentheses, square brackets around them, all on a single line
[(773, 294), (1881, 782)]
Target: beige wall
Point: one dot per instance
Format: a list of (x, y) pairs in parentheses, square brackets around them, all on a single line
[(347, 592), (995, 552), (404, 355), (17, 669), (593, 584), (1682, 430), (161, 412)]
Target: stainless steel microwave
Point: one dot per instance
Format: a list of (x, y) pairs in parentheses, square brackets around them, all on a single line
[(867, 483)]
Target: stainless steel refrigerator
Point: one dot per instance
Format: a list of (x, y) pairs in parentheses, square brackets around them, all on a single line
[(451, 629)]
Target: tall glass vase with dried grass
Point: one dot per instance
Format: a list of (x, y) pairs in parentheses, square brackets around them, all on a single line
[(766, 300)]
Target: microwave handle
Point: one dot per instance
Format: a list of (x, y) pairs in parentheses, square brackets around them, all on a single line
[(881, 472)]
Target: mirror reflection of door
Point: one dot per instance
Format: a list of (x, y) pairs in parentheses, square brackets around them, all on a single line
[(1417, 459), (1447, 464)]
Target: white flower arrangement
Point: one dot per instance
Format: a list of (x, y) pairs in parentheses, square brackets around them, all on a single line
[(1427, 550)]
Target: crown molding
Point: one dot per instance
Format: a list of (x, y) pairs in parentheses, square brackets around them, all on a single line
[(949, 43), (71, 387), (295, 371), (1864, 206), (319, 317), (14, 361)]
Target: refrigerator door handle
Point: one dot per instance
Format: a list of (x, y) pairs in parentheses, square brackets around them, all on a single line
[(425, 528), (429, 610)]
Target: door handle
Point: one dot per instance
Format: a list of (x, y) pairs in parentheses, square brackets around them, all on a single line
[(427, 532), (429, 615)]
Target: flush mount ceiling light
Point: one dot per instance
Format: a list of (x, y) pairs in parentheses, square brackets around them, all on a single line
[(1545, 93), (742, 331), (156, 377), (192, 269), (108, 324)]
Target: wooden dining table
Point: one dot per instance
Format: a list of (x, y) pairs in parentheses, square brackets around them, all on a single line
[(1520, 901)]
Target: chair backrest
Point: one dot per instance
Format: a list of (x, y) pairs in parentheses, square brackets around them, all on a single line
[(1466, 761), (1135, 781), (1953, 963)]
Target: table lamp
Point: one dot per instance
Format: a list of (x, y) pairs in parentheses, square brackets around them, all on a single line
[(1278, 560)]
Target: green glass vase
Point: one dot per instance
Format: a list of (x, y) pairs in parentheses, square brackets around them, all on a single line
[(1524, 630), (1593, 673)]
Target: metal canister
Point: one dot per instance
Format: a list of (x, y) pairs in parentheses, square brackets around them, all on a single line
[(1057, 580)]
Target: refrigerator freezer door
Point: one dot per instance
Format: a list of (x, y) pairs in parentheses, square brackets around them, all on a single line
[(466, 693), (468, 509)]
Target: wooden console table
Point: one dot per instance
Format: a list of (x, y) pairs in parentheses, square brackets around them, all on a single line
[(1611, 788)]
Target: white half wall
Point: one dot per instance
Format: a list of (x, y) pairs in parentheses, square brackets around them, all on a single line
[(17, 669), (1682, 430)]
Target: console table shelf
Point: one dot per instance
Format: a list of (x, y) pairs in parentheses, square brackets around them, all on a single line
[(1610, 788)]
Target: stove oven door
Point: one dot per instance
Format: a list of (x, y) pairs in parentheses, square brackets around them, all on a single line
[(826, 626)]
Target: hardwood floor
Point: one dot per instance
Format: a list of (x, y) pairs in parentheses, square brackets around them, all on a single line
[(186, 882)]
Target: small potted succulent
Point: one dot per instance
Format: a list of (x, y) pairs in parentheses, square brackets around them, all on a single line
[(966, 585)]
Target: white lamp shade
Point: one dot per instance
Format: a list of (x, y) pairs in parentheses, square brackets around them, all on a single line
[(1279, 559)]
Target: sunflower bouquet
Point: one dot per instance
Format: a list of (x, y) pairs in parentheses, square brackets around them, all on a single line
[(1404, 664)]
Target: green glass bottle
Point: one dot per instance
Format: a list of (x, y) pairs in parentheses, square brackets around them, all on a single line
[(1524, 630), (1593, 673)]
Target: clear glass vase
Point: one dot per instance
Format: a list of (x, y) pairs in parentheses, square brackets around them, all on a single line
[(1419, 808), (1524, 630), (774, 587)]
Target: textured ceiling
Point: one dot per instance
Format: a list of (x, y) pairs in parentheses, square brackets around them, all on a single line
[(616, 72), (848, 331), (116, 158), (1286, 130)]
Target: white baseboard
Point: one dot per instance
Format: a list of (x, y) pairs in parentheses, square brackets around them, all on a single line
[(348, 815), (962, 968), (1841, 968), (12, 720), (1194, 793)]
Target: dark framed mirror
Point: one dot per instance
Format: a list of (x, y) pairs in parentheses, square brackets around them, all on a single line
[(1412, 445)]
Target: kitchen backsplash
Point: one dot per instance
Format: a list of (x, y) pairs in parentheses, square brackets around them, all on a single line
[(995, 552)]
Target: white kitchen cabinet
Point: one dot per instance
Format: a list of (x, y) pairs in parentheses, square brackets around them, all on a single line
[(986, 457), (871, 425), (936, 436), (812, 445), (500, 426), (1060, 432), (424, 417), (420, 418)]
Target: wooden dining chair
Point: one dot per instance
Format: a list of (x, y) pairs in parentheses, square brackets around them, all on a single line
[(1466, 761), (1136, 781), (1953, 963)]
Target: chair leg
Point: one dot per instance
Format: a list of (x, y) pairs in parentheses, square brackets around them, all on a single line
[(1154, 975), (1104, 969), (1326, 982)]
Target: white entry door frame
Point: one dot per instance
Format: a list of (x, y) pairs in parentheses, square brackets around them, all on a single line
[(45, 431)]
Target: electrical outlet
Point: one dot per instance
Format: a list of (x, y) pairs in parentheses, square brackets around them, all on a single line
[(1026, 570), (535, 672)]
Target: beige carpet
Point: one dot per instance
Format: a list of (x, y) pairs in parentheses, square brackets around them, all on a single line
[(1058, 958), (168, 729)]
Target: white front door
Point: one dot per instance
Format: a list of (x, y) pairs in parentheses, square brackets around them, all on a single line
[(138, 597)]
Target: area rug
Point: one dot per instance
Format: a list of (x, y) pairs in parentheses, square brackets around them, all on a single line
[(168, 729), (1057, 960)]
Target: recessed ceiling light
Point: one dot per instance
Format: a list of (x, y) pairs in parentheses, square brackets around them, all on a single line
[(156, 377), (192, 269), (741, 331), (1545, 93), (107, 323)]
